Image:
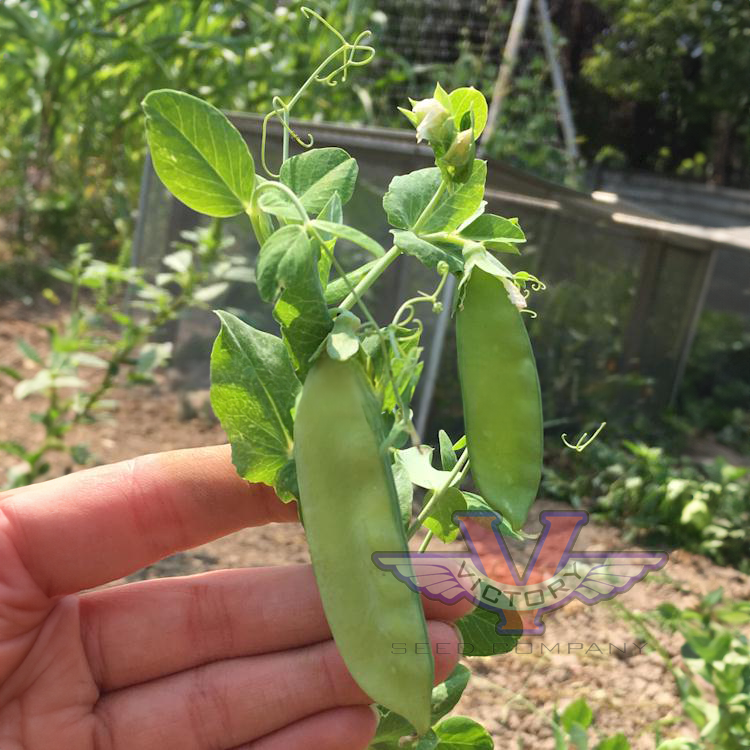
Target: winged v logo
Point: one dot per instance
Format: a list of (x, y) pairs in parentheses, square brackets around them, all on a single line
[(554, 576)]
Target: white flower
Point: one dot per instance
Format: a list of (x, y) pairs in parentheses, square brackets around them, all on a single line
[(431, 114), (514, 294)]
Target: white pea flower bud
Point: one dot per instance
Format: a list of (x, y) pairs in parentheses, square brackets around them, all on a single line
[(431, 114), (514, 294), (461, 150)]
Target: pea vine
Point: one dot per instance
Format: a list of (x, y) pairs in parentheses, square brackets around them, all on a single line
[(437, 215)]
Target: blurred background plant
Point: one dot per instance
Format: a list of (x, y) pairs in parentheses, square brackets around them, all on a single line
[(106, 335)]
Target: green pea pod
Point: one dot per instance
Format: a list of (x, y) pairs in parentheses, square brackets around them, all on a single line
[(501, 398), (350, 511)]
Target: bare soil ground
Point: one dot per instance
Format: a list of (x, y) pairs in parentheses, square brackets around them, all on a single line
[(513, 694)]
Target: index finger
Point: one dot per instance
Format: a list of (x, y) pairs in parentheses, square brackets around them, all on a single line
[(97, 525)]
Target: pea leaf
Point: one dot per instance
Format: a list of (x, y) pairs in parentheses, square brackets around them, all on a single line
[(462, 733), (429, 253), (480, 636), (253, 390), (351, 234), (459, 202), (301, 309), (302, 312), (477, 502), (332, 211), (405, 368), (445, 696), (317, 174), (343, 343), (282, 260), (418, 463), (409, 195), (198, 154), (404, 490), (440, 519), (495, 232), (447, 453), (337, 289), (467, 99), (427, 741)]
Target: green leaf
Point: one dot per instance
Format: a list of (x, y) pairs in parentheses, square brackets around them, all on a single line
[(462, 733), (446, 695), (286, 485), (333, 212), (339, 288), (495, 232), (418, 463), (284, 259), (405, 368), (80, 453), (29, 351), (480, 636), (404, 490), (578, 712), (13, 448), (477, 502), (317, 174), (409, 195), (303, 314), (440, 519), (428, 253), (343, 342), (466, 99), (459, 202), (579, 737), (198, 154), (427, 741), (253, 390), (351, 234), (617, 742), (447, 454), (10, 372)]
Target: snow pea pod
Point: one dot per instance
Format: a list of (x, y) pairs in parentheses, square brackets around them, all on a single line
[(350, 511), (501, 397)]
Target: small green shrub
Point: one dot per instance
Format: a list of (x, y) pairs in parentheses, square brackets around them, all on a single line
[(701, 507)]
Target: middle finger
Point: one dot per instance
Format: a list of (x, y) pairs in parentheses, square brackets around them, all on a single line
[(142, 631)]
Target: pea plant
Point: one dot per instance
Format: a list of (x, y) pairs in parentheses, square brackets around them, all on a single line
[(107, 339), (712, 671), (322, 413)]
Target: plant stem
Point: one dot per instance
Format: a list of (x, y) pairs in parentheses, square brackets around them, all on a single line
[(426, 541), (372, 276), (430, 207), (457, 472)]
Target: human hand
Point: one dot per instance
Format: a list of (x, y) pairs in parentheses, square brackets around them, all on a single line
[(228, 659)]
